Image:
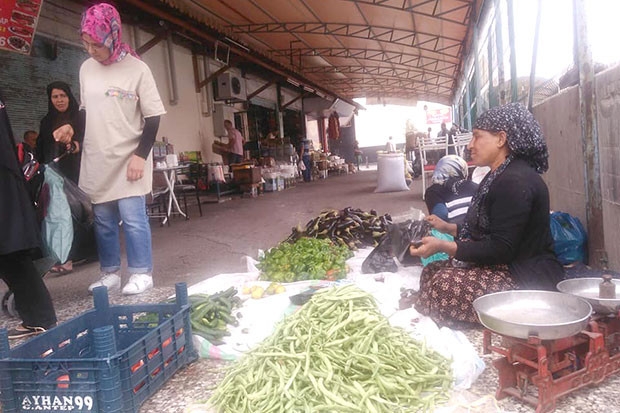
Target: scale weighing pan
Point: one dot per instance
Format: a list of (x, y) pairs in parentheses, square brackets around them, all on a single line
[(523, 313), (587, 288)]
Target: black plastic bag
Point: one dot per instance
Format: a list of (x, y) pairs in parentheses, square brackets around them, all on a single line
[(79, 202), (84, 246), (395, 244), (403, 234), (380, 259)]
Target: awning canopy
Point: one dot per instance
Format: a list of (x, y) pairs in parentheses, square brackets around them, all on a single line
[(407, 49)]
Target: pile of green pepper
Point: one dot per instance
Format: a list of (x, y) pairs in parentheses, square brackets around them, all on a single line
[(305, 259)]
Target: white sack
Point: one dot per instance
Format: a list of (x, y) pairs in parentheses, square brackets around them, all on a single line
[(391, 173)]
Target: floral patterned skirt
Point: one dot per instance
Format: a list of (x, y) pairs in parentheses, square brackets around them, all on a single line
[(447, 293)]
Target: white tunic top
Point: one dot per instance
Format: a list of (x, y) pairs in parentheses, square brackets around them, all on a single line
[(117, 98)]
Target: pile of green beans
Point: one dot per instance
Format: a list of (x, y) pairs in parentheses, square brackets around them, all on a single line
[(338, 353)]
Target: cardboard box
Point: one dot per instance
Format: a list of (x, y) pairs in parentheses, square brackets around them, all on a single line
[(219, 148), (247, 175), (271, 184)]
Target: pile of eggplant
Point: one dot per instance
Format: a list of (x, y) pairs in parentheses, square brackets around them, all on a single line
[(350, 227)]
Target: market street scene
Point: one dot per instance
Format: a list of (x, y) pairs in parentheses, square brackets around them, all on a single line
[(308, 206)]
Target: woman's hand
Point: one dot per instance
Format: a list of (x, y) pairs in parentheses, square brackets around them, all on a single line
[(441, 225), (426, 247), (431, 245), (63, 134), (73, 146), (135, 169)]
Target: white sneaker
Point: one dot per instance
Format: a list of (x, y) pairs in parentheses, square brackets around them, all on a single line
[(110, 280), (138, 283)]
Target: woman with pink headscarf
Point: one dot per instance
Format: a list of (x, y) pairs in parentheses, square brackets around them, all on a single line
[(123, 109)]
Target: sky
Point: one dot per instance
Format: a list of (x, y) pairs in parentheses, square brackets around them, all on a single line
[(555, 48), (555, 55)]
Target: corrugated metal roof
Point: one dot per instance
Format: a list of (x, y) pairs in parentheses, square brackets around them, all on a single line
[(410, 49)]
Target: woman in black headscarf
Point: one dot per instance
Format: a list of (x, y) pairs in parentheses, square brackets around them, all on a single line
[(505, 242), (20, 236), (62, 110)]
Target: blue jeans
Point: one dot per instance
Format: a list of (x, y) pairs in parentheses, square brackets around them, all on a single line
[(307, 173), (234, 158), (132, 212)]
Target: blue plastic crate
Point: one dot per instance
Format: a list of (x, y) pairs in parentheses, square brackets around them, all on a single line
[(109, 359)]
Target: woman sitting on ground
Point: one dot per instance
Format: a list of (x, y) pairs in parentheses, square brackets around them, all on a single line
[(451, 192), (505, 242)]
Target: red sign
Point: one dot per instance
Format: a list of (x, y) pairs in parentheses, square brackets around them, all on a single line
[(436, 116), (18, 21)]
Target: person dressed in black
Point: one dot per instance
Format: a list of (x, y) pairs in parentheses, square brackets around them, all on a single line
[(433, 156), (62, 109), (443, 131), (20, 236), (451, 192), (505, 241), (306, 159), (454, 130), (357, 153)]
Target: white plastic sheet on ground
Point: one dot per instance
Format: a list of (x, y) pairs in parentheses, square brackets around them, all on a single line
[(258, 317)]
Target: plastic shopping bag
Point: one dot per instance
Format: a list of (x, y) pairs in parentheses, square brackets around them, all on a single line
[(57, 227), (403, 234), (79, 203), (569, 238)]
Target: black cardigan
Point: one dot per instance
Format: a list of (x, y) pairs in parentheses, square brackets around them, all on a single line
[(48, 148), (520, 236)]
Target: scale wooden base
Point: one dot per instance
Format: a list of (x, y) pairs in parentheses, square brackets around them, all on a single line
[(539, 372)]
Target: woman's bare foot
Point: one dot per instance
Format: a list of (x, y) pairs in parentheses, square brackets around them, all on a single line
[(65, 268)]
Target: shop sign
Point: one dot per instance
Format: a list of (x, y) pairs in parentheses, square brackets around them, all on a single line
[(437, 116), (18, 22)]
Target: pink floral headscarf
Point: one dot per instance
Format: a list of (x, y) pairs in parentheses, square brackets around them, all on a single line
[(103, 23)]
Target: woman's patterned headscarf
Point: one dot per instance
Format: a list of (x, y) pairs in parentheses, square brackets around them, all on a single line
[(103, 23), (525, 141), (525, 138)]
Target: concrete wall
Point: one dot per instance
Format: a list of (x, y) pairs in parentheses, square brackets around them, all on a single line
[(23, 79), (559, 117), (188, 123), (608, 106)]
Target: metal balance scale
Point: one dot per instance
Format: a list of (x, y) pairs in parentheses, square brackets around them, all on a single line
[(551, 342)]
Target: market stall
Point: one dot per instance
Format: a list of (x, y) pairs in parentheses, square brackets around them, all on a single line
[(259, 318), (290, 313)]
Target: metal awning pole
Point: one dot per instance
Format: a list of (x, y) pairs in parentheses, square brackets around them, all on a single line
[(530, 102), (499, 49), (279, 118), (514, 92), (589, 137)]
